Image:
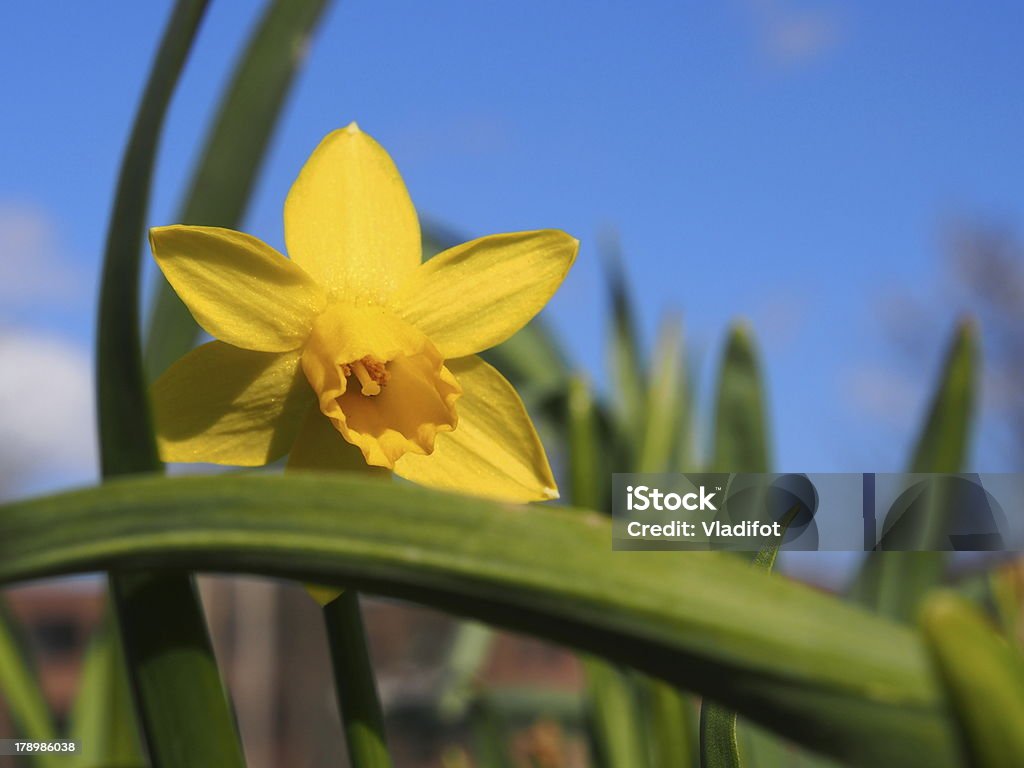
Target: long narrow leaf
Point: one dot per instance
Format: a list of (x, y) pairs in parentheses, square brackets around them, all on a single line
[(741, 426), (233, 155), (612, 717), (985, 679), (611, 704), (182, 705), (823, 673), (666, 401), (894, 583), (627, 372)]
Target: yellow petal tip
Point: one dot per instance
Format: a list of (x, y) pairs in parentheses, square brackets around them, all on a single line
[(352, 127), (550, 494)]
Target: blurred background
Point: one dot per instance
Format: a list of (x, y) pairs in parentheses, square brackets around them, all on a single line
[(846, 177)]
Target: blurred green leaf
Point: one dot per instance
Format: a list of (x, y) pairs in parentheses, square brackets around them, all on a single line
[(612, 722), (1004, 594), (667, 401), (719, 746), (490, 737), (894, 583), (984, 677), (531, 360), (471, 646), (741, 424), (20, 691), (944, 442), (628, 371), (102, 719), (670, 726), (823, 673), (224, 177), (614, 729)]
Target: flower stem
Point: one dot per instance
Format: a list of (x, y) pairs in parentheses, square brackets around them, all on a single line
[(354, 683)]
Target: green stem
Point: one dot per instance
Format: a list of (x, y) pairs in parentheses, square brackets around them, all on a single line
[(353, 679)]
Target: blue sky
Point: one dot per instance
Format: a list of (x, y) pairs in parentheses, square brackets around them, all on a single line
[(791, 163)]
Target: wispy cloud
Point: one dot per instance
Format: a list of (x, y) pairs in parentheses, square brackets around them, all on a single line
[(791, 33), (47, 424), (33, 267)]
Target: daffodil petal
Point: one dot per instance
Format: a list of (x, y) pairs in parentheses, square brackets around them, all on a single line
[(223, 405), (348, 219), (319, 447), (239, 289), (494, 451), (476, 295)]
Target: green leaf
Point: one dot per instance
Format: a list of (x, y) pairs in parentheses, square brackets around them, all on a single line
[(625, 356), (741, 424), (532, 360), (612, 717), (19, 690), (944, 442), (894, 583), (823, 673), (354, 683), (102, 720), (181, 702), (719, 746), (670, 726), (984, 677), (667, 402), (224, 177), (470, 649), (126, 434)]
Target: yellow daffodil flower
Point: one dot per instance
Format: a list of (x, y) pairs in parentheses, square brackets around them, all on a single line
[(353, 341)]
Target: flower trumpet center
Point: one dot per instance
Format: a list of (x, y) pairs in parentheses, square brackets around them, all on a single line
[(371, 373), (380, 381)]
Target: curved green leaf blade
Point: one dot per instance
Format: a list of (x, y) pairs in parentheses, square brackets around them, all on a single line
[(741, 424), (667, 402), (627, 369), (984, 677), (894, 583), (186, 723), (224, 177), (612, 723), (823, 673)]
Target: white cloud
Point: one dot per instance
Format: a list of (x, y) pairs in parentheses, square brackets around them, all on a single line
[(47, 424), (32, 267)]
